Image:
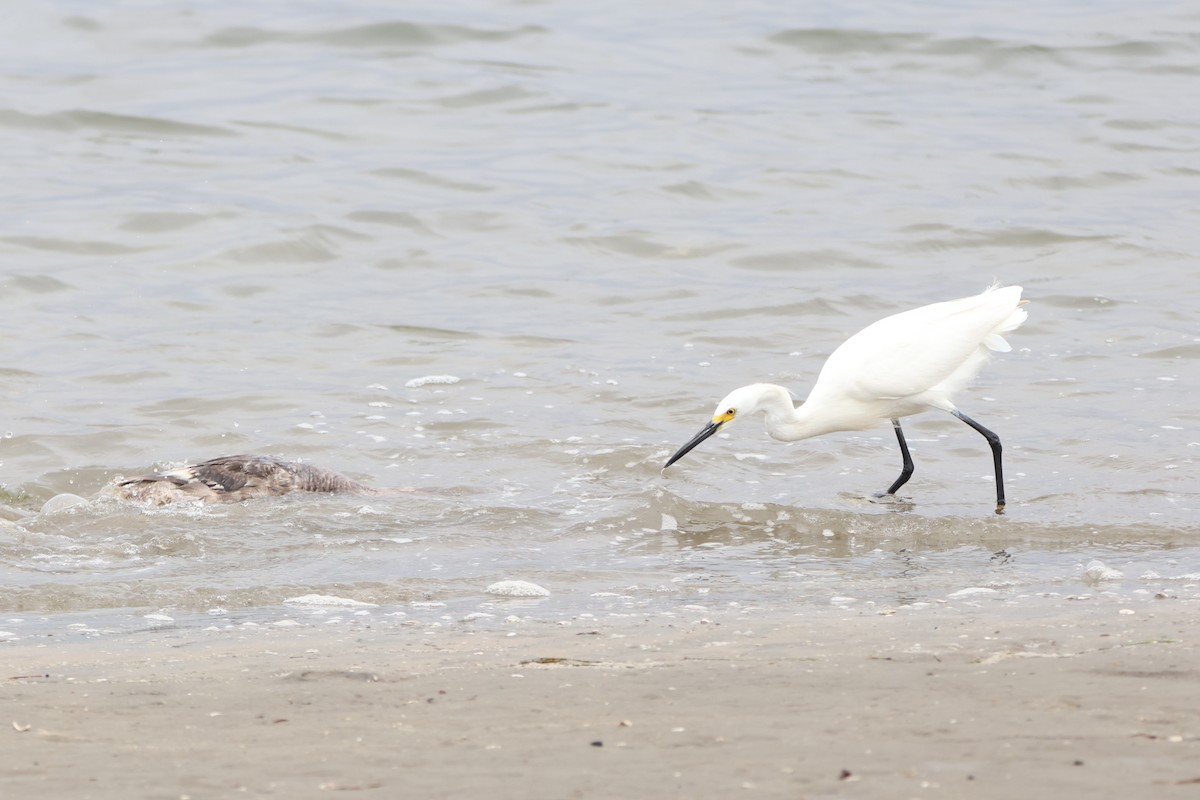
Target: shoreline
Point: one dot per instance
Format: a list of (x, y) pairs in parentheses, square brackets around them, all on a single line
[(985, 701)]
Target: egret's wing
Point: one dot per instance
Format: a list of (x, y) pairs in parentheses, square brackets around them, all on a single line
[(936, 346)]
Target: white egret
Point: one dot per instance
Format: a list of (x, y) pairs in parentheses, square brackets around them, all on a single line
[(901, 365)]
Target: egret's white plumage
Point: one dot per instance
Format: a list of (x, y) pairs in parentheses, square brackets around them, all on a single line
[(893, 368)]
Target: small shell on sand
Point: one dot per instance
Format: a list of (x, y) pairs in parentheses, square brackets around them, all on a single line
[(972, 591), (517, 589)]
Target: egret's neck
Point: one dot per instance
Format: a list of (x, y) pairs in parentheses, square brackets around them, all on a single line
[(788, 423)]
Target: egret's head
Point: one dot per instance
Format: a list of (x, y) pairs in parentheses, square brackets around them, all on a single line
[(745, 402), (739, 403)]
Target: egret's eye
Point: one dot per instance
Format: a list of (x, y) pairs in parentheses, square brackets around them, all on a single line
[(731, 411)]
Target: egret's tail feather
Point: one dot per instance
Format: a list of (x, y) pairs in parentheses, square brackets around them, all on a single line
[(997, 343), (994, 340)]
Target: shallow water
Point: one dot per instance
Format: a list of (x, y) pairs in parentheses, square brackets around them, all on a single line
[(246, 228)]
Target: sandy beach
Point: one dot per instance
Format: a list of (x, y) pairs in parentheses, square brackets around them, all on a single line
[(1086, 700)]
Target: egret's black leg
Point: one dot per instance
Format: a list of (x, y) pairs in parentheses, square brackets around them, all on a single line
[(994, 442), (906, 471)]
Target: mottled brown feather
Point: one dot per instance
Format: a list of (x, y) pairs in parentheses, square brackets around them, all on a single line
[(234, 478)]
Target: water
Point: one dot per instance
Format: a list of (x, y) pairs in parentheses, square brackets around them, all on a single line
[(246, 227)]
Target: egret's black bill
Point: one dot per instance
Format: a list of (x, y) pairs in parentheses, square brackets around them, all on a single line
[(708, 431)]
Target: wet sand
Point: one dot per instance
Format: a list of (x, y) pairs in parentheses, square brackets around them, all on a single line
[(1082, 699)]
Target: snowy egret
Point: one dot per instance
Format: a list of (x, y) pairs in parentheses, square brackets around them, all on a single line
[(234, 478), (901, 365)]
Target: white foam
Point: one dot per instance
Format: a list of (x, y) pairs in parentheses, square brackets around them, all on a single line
[(328, 600), (517, 589), (1097, 571), (431, 379)]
